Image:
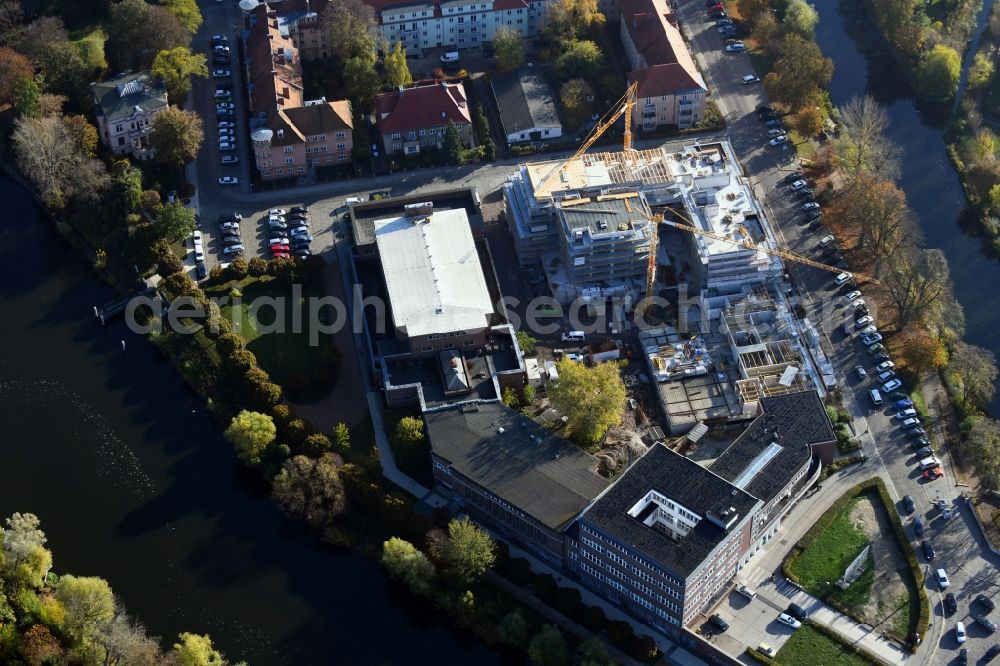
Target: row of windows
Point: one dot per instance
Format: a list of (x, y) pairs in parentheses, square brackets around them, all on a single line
[(281, 172), (639, 558)]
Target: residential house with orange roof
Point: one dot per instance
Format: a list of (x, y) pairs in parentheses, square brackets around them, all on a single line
[(411, 119), (290, 134), (670, 89)]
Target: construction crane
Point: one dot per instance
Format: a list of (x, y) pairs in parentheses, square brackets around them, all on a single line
[(744, 241), (622, 106)]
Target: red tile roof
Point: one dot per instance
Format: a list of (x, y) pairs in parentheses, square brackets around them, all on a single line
[(669, 65), (422, 107), (275, 69), (509, 4)]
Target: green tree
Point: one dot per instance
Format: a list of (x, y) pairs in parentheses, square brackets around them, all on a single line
[(452, 144), (409, 431), (126, 190), (317, 444), (526, 342), (974, 370), (510, 398), (22, 535), (351, 26), (362, 80), (187, 13), (548, 647), (177, 136), (918, 283), (801, 18), (566, 20), (175, 67), (593, 653), (397, 71), (580, 59), (26, 97), (251, 433), (407, 563), (514, 629), (13, 67), (938, 72), (508, 49), (65, 70), (529, 394), (466, 553), (753, 10), (799, 74), (311, 488), (592, 398), (341, 438), (574, 94), (196, 650), (89, 604), (82, 133), (174, 222), (138, 31), (899, 20), (981, 71)]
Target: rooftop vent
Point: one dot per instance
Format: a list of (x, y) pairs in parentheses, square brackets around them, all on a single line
[(500, 430)]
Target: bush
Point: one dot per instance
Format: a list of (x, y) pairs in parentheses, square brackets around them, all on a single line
[(237, 269), (519, 570), (228, 343), (620, 634), (545, 588), (643, 648), (316, 445), (257, 267), (593, 618), (283, 414), (167, 263), (568, 602)]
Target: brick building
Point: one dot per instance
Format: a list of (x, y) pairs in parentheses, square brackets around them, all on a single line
[(411, 119)]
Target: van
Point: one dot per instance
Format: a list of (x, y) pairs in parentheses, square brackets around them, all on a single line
[(450, 57), (573, 336), (929, 462), (876, 397)]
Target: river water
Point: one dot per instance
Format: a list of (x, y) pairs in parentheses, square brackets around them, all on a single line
[(133, 482), (927, 177)]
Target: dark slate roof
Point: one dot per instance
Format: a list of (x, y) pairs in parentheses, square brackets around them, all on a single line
[(117, 98), (612, 212), (525, 101), (794, 422), (547, 477), (683, 481)]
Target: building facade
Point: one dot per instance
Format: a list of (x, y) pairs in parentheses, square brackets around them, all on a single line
[(125, 107), (526, 105), (458, 24), (413, 119), (670, 89)]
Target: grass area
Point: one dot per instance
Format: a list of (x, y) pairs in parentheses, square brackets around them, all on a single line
[(808, 645), (277, 331), (860, 590), (90, 39), (818, 567), (804, 146)]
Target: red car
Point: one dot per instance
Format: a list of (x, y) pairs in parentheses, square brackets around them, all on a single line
[(932, 474), (717, 7), (279, 248), (278, 255)]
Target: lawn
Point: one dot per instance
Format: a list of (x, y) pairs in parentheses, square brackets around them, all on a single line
[(808, 645), (90, 39), (820, 565), (306, 372)]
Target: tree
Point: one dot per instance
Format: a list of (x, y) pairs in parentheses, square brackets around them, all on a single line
[(187, 13), (938, 72), (580, 58), (175, 221), (341, 438), (405, 562), (362, 80), (767, 32), (528, 393), (801, 18), (574, 95), (39, 646), (526, 342), (917, 282), (918, 349), (862, 144), (799, 73), (514, 629), (593, 653), (22, 535), (196, 650), (508, 49), (66, 72), (466, 553), (592, 398), (82, 134), (126, 643), (176, 67), (982, 449), (753, 10), (26, 97), (808, 121), (566, 20), (311, 488), (138, 31), (548, 647), (974, 370), (397, 71), (48, 157), (317, 444), (176, 136), (897, 20), (452, 143), (876, 210), (89, 604), (11, 17), (351, 26), (36, 37), (981, 71), (510, 398), (13, 67), (251, 433), (125, 192), (408, 431)]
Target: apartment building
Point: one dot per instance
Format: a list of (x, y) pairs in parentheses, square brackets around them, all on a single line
[(458, 24), (412, 119), (125, 107), (290, 134), (670, 89)]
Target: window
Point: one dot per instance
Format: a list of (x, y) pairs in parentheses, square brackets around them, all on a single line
[(289, 160), (118, 128), (281, 172), (287, 149), (121, 141), (301, 169), (423, 132), (395, 135), (397, 146), (341, 146), (329, 158), (339, 135), (266, 173)]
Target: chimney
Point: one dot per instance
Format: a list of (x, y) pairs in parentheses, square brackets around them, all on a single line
[(284, 92)]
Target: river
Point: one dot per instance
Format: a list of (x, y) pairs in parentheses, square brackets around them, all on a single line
[(133, 482), (927, 177)]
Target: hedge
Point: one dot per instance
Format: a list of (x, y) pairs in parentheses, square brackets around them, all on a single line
[(849, 646), (923, 617)]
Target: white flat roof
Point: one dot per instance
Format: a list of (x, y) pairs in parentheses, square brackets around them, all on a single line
[(432, 273)]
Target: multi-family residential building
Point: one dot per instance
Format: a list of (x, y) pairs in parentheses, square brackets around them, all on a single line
[(290, 134), (527, 106), (410, 119), (670, 89), (455, 24), (125, 107), (303, 22)]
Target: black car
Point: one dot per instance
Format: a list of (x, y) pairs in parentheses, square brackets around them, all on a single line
[(916, 433), (719, 622), (300, 245), (861, 311), (908, 504), (805, 193), (985, 602), (764, 107), (918, 527), (298, 209), (232, 217), (928, 549), (950, 603), (798, 612), (202, 270), (985, 622), (963, 657), (921, 443), (815, 224), (230, 239), (992, 652), (814, 214), (842, 265)]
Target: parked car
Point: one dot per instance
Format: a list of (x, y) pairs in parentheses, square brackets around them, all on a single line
[(991, 653), (871, 338), (230, 159), (928, 549), (985, 602), (812, 205), (778, 140), (950, 603), (863, 321), (797, 612), (201, 270), (229, 180), (986, 623), (278, 240), (224, 112), (226, 124), (942, 579), (842, 279), (234, 226), (232, 250), (226, 146), (745, 591), (876, 349), (920, 443), (891, 385), (766, 649), (799, 184), (222, 93), (762, 108), (916, 433), (279, 248), (905, 403), (738, 47), (225, 105), (298, 209), (910, 424), (231, 239), (276, 211), (719, 622), (222, 73), (275, 225), (786, 619), (923, 452), (907, 413), (861, 372), (933, 474), (960, 634), (908, 504), (750, 78), (773, 122), (918, 527)]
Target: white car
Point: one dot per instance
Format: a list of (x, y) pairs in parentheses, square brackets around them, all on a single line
[(221, 73), (228, 106), (227, 131), (869, 330), (225, 144), (853, 295), (229, 180), (871, 338), (738, 47), (219, 38), (862, 373), (746, 591), (230, 159), (842, 278), (960, 632), (785, 618), (812, 205), (196, 236), (226, 124), (778, 140), (891, 385), (885, 365), (799, 184), (276, 211), (906, 414), (278, 240), (222, 92), (230, 226), (864, 321), (750, 78)]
